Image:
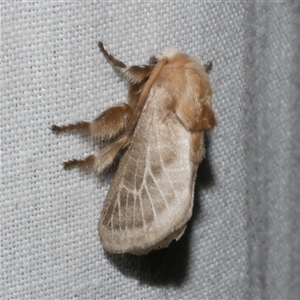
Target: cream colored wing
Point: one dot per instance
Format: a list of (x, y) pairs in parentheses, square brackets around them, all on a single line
[(151, 197)]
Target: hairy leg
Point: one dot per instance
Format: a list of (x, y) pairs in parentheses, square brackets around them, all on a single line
[(102, 159), (134, 74), (109, 124), (115, 62)]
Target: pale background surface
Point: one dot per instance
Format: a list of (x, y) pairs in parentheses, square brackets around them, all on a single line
[(244, 238)]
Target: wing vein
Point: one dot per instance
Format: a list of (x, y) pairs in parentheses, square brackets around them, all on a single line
[(126, 209), (163, 168), (142, 210), (119, 208), (160, 191), (152, 204)]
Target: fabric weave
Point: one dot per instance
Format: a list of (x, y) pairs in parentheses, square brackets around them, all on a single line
[(244, 237)]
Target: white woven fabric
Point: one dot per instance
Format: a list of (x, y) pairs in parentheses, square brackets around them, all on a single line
[(243, 240)]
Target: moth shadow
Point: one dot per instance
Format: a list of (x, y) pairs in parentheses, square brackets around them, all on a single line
[(168, 266), (160, 268), (205, 175)]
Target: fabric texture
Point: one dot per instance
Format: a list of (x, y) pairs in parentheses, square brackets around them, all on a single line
[(243, 241)]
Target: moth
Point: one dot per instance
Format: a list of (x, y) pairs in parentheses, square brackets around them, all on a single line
[(159, 136)]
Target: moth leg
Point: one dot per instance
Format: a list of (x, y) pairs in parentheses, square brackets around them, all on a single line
[(79, 126), (84, 164), (207, 66), (108, 125), (115, 62), (138, 74), (111, 122), (134, 74), (102, 159)]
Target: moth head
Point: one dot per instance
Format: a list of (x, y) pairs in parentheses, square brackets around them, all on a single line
[(169, 53)]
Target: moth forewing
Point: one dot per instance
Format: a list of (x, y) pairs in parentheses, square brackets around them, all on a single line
[(159, 134), (151, 197)]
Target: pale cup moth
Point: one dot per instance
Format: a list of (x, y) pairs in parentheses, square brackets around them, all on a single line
[(160, 136)]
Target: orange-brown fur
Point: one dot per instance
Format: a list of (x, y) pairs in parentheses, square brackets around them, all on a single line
[(109, 124), (189, 92)]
